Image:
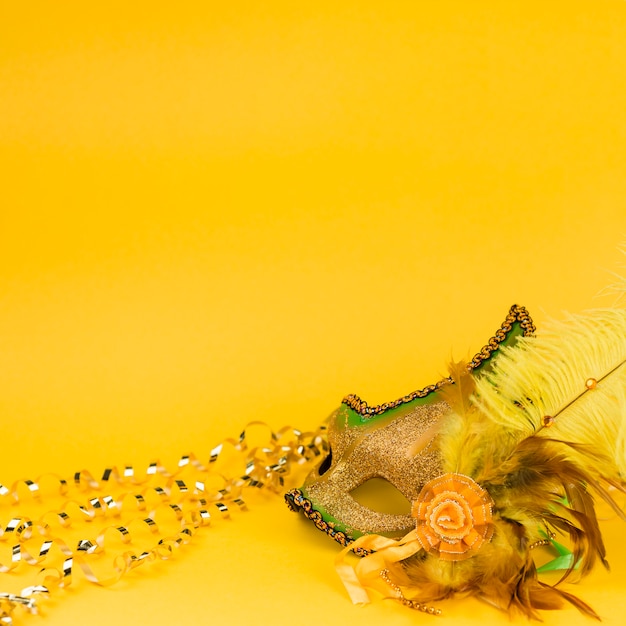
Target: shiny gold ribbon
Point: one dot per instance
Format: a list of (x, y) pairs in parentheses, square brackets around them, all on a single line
[(168, 506)]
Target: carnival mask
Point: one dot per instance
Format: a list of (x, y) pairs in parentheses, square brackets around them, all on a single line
[(498, 459), (393, 442)]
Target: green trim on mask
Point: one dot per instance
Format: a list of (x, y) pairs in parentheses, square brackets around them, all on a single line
[(348, 417)]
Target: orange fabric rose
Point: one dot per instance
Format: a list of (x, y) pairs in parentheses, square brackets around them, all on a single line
[(453, 517)]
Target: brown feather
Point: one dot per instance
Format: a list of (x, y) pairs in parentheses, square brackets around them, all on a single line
[(535, 481)]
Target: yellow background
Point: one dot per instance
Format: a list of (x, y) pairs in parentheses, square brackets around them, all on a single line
[(214, 213)]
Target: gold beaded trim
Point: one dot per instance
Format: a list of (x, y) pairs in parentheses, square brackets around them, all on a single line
[(517, 314), (297, 502), (412, 604), (543, 542)]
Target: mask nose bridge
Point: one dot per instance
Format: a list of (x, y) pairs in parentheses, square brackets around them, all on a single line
[(402, 451), (380, 450)]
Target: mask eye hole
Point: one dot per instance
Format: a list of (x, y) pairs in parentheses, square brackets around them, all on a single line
[(378, 494), (326, 463)]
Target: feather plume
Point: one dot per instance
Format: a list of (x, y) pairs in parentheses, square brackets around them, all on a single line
[(459, 397), (535, 437), (545, 376)]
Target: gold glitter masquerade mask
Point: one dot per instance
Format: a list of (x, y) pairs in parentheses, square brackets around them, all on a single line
[(506, 455), (393, 442)]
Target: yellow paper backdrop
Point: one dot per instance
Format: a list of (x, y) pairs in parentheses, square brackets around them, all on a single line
[(212, 213)]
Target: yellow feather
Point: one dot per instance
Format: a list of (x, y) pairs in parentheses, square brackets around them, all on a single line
[(459, 424), (544, 377)]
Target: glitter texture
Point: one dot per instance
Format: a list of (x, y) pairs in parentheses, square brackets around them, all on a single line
[(399, 450)]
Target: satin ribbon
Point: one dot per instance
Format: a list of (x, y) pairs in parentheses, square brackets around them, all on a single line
[(366, 574)]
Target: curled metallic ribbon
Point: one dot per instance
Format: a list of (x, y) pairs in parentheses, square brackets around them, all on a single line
[(128, 504)]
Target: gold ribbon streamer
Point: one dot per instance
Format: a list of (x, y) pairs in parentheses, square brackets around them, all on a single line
[(129, 505)]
